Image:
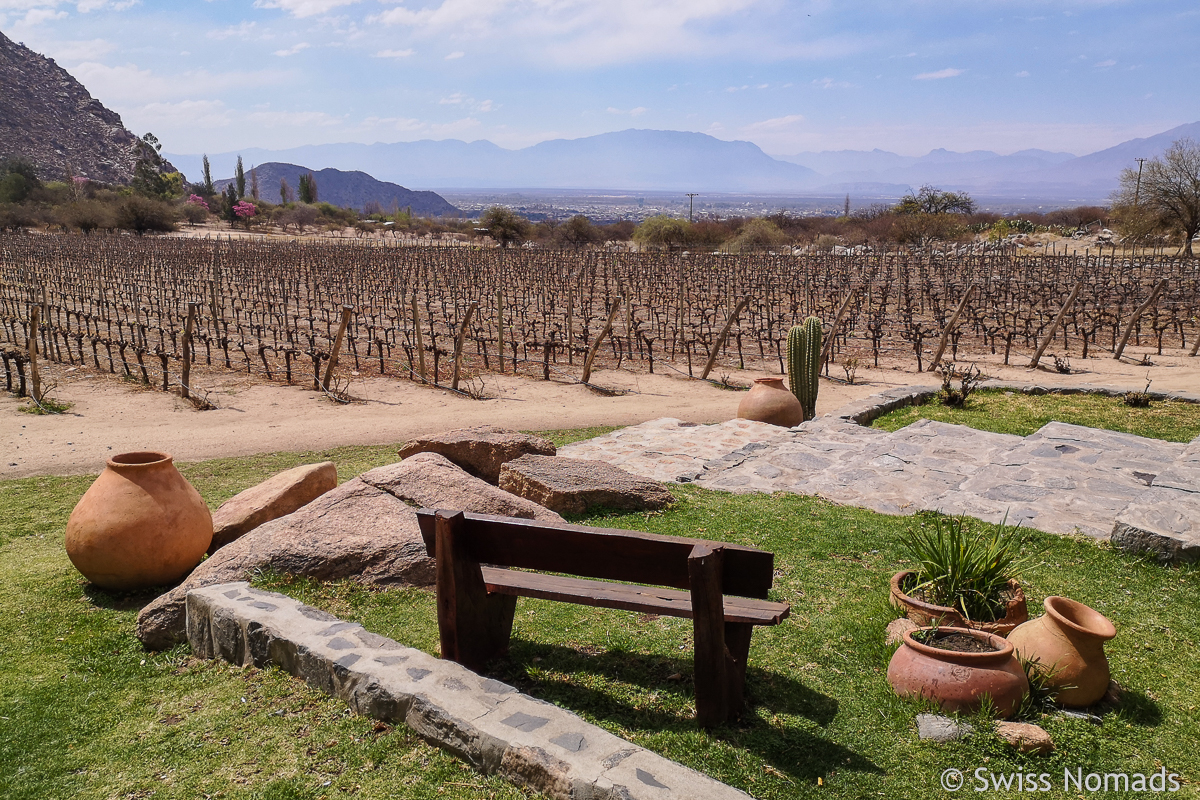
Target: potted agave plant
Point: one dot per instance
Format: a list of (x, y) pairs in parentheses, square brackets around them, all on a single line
[(962, 580)]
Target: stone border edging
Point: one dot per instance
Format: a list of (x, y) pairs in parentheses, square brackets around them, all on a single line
[(867, 410), (488, 724)]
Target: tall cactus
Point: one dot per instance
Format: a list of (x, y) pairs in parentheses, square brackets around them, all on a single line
[(804, 363)]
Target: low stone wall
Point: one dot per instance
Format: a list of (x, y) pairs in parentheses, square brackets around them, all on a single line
[(488, 724)]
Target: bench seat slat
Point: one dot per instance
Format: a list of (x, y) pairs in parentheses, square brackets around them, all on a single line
[(647, 599)]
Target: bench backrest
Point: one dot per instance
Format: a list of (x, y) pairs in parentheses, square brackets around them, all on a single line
[(602, 553)]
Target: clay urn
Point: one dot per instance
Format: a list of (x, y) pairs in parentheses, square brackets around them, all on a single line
[(141, 524), (959, 681), (1068, 644), (923, 613), (770, 401)]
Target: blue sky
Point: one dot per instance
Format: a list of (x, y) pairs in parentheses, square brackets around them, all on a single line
[(218, 75)]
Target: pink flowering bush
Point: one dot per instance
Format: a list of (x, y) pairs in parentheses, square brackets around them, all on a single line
[(244, 210), (197, 200)]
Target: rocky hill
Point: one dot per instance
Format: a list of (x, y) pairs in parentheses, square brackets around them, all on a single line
[(47, 117), (356, 190)]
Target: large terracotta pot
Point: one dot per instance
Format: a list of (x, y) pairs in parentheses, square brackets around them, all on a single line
[(922, 613), (770, 401), (1068, 644), (141, 524), (959, 681)]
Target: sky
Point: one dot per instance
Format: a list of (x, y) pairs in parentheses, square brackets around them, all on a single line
[(218, 75)]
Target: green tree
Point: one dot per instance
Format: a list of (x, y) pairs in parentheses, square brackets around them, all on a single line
[(285, 192), (18, 179), (239, 177), (756, 235), (144, 214), (504, 225), (578, 232), (1167, 194), (929, 200), (148, 179), (308, 188), (208, 187), (663, 232)]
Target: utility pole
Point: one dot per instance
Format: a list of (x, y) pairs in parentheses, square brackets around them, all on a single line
[(1138, 189), (690, 195)]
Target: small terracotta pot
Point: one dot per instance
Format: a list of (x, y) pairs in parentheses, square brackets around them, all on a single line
[(141, 524), (770, 401), (1068, 643), (959, 681), (922, 613)]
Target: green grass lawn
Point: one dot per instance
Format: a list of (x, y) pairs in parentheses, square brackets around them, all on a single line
[(84, 712), (1021, 414)]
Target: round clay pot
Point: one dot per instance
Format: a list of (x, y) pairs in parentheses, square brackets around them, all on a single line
[(141, 524), (923, 613), (770, 401), (959, 681), (1068, 644)]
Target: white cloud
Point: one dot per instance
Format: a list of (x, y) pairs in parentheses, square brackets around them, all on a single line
[(454, 55), (129, 85), (453, 100), (1022, 74), (304, 8), (1109, 63), (830, 83), (243, 30), (87, 6), (395, 53), (584, 32), (36, 16), (460, 99), (291, 51), (775, 124), (292, 119), (939, 75), (633, 112)]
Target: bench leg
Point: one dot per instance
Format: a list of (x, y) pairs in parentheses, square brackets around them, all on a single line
[(474, 627), (737, 653), (708, 622)]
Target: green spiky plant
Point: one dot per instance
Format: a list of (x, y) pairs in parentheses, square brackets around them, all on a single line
[(804, 363)]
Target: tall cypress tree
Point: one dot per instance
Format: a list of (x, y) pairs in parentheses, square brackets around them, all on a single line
[(208, 181), (239, 177)]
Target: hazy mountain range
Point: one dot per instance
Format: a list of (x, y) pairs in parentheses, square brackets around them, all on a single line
[(680, 161), (352, 189)]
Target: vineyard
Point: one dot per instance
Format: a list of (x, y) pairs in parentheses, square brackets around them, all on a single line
[(319, 312)]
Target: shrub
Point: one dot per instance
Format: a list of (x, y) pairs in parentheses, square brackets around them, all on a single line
[(143, 214)]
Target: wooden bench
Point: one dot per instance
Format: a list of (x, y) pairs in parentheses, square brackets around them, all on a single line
[(724, 589)]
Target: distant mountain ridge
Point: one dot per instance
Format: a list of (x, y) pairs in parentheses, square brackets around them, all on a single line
[(47, 117), (353, 189), (631, 159), (681, 161)]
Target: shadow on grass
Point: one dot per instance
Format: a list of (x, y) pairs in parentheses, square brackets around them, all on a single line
[(630, 678), (122, 601)]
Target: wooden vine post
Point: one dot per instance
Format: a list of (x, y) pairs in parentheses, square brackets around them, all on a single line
[(347, 311), (35, 378), (612, 314), (500, 328), (186, 380), (837, 323), (712, 356), (458, 345), (420, 340), (1142, 309), (941, 348), (1054, 326)]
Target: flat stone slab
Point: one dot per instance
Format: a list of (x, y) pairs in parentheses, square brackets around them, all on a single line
[(1062, 479), (667, 449), (488, 724), (937, 728), (573, 485)]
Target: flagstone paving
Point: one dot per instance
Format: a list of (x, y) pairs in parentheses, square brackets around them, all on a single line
[(1065, 479)]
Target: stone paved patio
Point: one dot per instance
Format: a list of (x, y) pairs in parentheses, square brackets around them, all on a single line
[(1062, 479)]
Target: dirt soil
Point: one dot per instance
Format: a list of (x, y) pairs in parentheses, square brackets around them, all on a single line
[(111, 415)]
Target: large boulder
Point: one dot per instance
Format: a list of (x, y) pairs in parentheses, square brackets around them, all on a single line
[(481, 451), (365, 530), (573, 485), (275, 497)]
